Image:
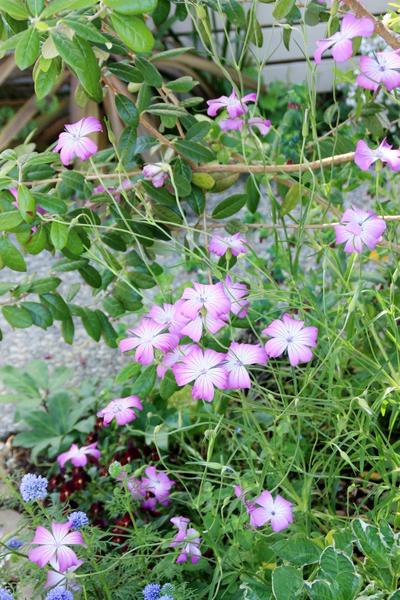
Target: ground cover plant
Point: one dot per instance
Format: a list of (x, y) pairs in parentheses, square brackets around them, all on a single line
[(249, 446)]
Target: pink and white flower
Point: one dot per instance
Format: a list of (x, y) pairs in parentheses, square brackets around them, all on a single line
[(238, 356), (358, 227), (120, 409), (234, 105), (263, 125), (78, 456), (206, 369), (220, 245), (210, 298), (156, 173), (237, 293), (212, 323), (341, 42), (172, 357), (61, 580), (380, 69), (266, 509), (187, 540), (53, 547), (147, 337), (170, 316), (158, 484), (74, 141), (365, 156), (290, 335)]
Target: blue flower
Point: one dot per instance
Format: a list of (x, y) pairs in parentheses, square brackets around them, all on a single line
[(78, 520), (151, 591), (33, 487), (59, 593), (14, 544), (5, 595)]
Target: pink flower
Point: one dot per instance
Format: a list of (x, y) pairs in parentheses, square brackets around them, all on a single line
[(234, 105), (58, 579), (237, 357), (121, 409), (211, 298), (340, 42), (187, 540), (358, 227), (156, 173), (205, 369), (263, 125), (278, 512), (219, 245), (146, 337), (78, 456), (291, 335), (158, 484), (194, 327), (170, 316), (74, 141), (172, 357), (365, 157), (53, 547), (237, 294), (382, 68)]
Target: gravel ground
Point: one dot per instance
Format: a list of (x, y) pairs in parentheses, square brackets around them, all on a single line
[(89, 359)]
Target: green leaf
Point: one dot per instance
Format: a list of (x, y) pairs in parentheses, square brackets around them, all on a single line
[(15, 8), (337, 568), (91, 323), (127, 372), (127, 110), (11, 256), (35, 7), (194, 151), (57, 6), (132, 7), (41, 316), (183, 85), (78, 54), (282, 8), (86, 30), (320, 590), (68, 330), (91, 276), (371, 543), (229, 206), (168, 386), (198, 131), (46, 79), (57, 305), (298, 550), (151, 76), (44, 284), (126, 145), (107, 330), (10, 219), (287, 582), (291, 199), (27, 48), (59, 235), (253, 194), (197, 200), (26, 204), (17, 316), (133, 32), (145, 382)]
